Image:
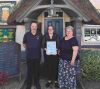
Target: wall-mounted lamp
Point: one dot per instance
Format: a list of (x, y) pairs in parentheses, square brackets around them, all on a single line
[(52, 10)]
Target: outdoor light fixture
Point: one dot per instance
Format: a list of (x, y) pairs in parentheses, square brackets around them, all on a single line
[(52, 10)]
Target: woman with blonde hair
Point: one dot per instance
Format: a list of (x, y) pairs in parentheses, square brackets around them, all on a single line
[(68, 62)]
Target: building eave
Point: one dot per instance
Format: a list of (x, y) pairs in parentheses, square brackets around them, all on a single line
[(85, 10), (88, 9)]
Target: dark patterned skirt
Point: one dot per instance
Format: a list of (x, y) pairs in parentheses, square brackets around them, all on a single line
[(67, 74)]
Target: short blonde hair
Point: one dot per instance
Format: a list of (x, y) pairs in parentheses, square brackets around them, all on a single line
[(69, 27)]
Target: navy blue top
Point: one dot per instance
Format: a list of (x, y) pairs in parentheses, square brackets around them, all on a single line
[(33, 45), (66, 50)]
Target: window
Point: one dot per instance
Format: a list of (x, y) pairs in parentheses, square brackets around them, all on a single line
[(91, 34)]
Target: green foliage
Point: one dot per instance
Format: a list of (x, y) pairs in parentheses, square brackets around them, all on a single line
[(90, 64)]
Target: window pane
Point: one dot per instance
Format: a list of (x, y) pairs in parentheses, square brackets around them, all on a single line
[(93, 31), (98, 31), (91, 34), (87, 32)]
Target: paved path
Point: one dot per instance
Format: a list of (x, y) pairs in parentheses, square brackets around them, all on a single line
[(14, 83)]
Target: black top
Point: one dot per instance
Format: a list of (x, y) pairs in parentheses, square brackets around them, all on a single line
[(33, 45), (66, 50)]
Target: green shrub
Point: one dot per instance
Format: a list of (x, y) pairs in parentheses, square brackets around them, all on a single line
[(90, 64)]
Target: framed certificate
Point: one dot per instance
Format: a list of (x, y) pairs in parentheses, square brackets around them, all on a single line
[(51, 48)]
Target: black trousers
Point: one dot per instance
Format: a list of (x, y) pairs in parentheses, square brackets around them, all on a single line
[(33, 66), (51, 65)]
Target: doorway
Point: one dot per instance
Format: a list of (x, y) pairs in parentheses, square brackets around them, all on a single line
[(58, 26)]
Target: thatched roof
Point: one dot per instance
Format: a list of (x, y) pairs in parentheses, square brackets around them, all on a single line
[(84, 5)]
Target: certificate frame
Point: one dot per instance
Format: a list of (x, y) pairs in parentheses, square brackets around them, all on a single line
[(51, 48)]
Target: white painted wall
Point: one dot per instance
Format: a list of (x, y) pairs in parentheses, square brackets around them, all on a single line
[(20, 31)]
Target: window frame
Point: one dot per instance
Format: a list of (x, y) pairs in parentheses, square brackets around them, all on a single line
[(90, 27)]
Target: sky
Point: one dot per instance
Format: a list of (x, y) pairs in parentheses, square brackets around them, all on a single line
[(96, 3)]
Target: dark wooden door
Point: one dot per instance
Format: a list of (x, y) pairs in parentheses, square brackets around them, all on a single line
[(58, 26)]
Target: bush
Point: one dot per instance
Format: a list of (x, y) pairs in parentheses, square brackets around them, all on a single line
[(90, 64)]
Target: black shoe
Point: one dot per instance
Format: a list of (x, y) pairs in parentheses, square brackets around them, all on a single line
[(56, 85), (48, 84)]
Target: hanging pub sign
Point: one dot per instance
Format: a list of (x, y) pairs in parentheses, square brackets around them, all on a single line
[(6, 8), (7, 34)]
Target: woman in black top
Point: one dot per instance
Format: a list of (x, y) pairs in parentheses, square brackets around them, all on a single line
[(68, 58), (51, 61)]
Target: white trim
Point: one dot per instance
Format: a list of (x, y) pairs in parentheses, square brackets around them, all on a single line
[(43, 23), (53, 18)]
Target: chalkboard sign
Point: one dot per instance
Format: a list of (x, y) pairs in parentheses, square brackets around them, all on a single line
[(10, 55)]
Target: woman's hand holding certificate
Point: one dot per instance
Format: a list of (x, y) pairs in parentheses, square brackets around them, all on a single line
[(51, 48)]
